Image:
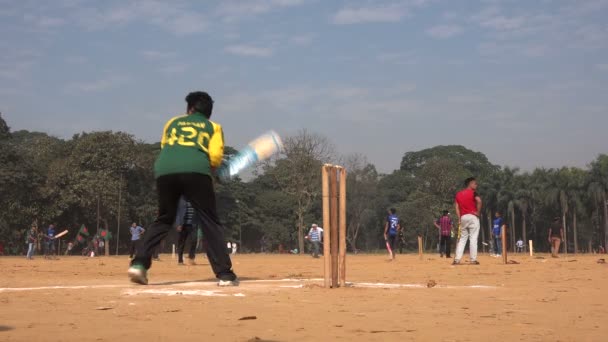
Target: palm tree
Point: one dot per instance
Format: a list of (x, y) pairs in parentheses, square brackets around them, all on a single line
[(490, 191), (555, 195), (506, 198), (576, 183), (599, 175), (524, 199), (596, 192)]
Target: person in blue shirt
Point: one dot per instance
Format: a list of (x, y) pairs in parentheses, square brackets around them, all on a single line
[(136, 233), (315, 236), (187, 222), (392, 227), (49, 243), (497, 226)]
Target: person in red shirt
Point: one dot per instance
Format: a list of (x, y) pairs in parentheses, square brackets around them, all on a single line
[(468, 206)]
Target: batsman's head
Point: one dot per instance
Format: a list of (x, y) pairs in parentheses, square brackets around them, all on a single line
[(471, 183), (200, 102)]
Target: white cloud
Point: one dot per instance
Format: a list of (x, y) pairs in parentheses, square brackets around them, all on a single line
[(157, 55), (174, 69), (233, 10), (602, 67), (15, 70), (502, 23), (444, 31), (465, 99), (302, 40), (380, 14), (173, 17), (397, 58), (73, 59), (249, 50), (102, 84), (186, 23)]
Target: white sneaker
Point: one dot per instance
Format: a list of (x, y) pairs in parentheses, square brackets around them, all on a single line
[(227, 283), (138, 274)]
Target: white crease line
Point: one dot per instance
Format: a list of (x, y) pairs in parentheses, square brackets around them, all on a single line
[(418, 286), (74, 287), (205, 284), (171, 292)]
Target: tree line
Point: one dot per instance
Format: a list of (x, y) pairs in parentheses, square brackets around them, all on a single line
[(104, 180)]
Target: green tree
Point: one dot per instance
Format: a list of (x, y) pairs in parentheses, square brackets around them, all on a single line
[(298, 173)]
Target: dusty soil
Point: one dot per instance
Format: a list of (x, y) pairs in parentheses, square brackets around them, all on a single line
[(89, 299)]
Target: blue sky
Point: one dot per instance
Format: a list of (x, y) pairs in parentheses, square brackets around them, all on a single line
[(525, 82)]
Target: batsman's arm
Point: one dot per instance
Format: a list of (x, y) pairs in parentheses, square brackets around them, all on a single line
[(216, 146), (385, 230)]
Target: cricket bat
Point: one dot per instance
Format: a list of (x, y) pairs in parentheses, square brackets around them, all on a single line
[(262, 148), (60, 234)]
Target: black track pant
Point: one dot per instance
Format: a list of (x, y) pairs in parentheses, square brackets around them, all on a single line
[(198, 189), (446, 245), (134, 247), (187, 231)]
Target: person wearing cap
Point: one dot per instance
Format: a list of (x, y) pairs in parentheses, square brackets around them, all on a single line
[(556, 236), (444, 224), (315, 236), (497, 226)]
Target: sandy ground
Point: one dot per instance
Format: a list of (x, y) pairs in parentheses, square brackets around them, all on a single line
[(89, 299)]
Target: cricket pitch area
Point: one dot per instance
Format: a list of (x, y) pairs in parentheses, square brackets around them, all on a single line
[(281, 298)]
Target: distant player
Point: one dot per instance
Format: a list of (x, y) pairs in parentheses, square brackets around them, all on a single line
[(49, 242), (192, 147), (468, 206), (391, 232), (186, 222), (136, 233), (497, 226), (444, 224), (556, 236), (31, 242), (315, 236)]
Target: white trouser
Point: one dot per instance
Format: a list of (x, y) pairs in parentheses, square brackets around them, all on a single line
[(469, 230)]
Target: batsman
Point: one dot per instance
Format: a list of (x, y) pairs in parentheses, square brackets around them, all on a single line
[(192, 147)]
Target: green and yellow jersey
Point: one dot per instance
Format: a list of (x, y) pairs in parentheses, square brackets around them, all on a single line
[(190, 144)]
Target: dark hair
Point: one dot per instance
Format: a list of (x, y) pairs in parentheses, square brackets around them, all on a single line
[(468, 181), (393, 211), (201, 102), (498, 212), (445, 212)]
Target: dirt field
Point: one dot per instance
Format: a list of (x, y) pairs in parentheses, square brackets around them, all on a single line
[(89, 299)]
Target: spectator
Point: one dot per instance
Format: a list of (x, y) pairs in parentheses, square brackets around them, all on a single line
[(31, 242), (186, 221), (315, 236), (444, 224), (519, 245), (69, 249), (136, 233)]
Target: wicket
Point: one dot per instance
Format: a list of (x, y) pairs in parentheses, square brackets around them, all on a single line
[(334, 223)]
